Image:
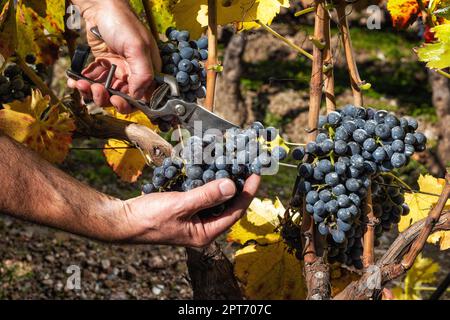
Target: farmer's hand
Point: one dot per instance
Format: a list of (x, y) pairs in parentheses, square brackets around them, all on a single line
[(170, 218), (127, 44), (36, 191)]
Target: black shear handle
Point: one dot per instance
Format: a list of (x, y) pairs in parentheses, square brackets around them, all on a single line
[(140, 105)]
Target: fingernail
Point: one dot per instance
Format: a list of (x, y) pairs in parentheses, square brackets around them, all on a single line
[(227, 188), (138, 94)]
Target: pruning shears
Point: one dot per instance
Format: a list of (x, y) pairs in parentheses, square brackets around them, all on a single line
[(165, 103)]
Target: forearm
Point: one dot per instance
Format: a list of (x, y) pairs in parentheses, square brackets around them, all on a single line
[(34, 190)]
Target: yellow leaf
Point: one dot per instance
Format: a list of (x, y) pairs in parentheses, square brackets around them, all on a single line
[(423, 271), (162, 14), (40, 126), (420, 205), (193, 15), (402, 11), (127, 163), (269, 272), (259, 224)]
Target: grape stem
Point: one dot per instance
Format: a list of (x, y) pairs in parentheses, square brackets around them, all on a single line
[(443, 73), (285, 40), (400, 181), (305, 11)]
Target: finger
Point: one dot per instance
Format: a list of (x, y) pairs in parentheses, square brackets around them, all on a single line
[(100, 95), (207, 196), (121, 105), (214, 226)]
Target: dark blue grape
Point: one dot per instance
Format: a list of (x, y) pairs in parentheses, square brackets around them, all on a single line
[(380, 115), (353, 185), (312, 197), (334, 118), (383, 131), (203, 54), (323, 229), (398, 146), (338, 190), (397, 133), (221, 174), (354, 148), (306, 170), (337, 235), (332, 179), (325, 195), (148, 188), (370, 145), (370, 126), (379, 154), (332, 206), (298, 153), (340, 147), (360, 135), (413, 123), (410, 139), (398, 160), (183, 35)]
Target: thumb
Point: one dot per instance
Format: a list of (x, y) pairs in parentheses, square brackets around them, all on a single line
[(207, 196)]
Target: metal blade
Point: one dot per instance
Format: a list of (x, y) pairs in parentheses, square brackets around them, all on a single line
[(195, 113)]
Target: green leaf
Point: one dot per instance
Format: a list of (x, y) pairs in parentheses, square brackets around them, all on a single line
[(437, 55)]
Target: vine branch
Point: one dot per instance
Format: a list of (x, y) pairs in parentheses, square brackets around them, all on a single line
[(355, 79), (317, 273), (328, 66)]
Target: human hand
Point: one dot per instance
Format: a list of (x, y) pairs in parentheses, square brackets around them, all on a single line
[(126, 43), (171, 218)]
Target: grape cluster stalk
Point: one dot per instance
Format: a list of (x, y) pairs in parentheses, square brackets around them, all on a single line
[(236, 155), (15, 85), (355, 149)]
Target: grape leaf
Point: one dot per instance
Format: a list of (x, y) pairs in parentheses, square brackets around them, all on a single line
[(259, 223), (39, 125), (266, 269), (162, 14), (423, 271), (192, 15), (8, 35), (51, 13), (402, 11), (437, 55), (269, 272), (420, 205), (126, 163)]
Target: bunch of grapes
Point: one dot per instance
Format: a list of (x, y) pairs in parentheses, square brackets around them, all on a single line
[(235, 155), (15, 85), (355, 149), (183, 58)]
